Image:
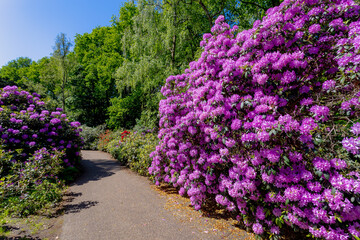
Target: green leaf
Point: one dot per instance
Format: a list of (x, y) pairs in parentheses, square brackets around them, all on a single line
[(278, 222), (287, 202), (319, 173), (272, 132), (357, 238)]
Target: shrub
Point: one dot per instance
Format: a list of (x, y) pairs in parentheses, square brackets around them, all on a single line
[(90, 136), (26, 124), (26, 187), (266, 122), (133, 150), (104, 139)]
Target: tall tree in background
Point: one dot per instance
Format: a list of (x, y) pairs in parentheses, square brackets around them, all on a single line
[(60, 54), (98, 55)]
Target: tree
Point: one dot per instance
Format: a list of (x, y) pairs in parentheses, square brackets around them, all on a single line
[(60, 54), (14, 72), (98, 55)]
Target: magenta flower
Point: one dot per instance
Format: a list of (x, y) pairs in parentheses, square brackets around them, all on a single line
[(257, 228), (355, 129), (315, 28), (236, 124), (351, 145)]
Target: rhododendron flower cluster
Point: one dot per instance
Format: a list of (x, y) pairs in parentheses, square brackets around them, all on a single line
[(266, 121), (27, 125)]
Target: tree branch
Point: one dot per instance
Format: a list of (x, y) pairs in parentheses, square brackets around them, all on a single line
[(207, 13)]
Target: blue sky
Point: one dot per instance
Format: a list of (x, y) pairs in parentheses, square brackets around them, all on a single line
[(28, 28)]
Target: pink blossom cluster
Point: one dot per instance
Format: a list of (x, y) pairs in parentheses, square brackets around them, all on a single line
[(265, 122)]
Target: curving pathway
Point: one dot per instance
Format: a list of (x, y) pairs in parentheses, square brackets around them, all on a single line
[(109, 202)]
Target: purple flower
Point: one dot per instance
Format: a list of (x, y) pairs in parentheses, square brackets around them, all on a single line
[(260, 214), (315, 28), (55, 121), (257, 228), (4, 136), (306, 101), (321, 112), (192, 130), (307, 126), (235, 124), (351, 145), (346, 105), (261, 78), (321, 164), (224, 152), (275, 230), (75, 124), (263, 136), (329, 84), (338, 163), (230, 142), (355, 129)]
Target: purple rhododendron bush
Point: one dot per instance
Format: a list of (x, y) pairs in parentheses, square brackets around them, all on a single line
[(26, 126), (266, 122)]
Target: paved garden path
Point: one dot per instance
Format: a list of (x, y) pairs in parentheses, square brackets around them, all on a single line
[(109, 202)]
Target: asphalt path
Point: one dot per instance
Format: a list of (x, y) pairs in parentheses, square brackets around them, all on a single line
[(110, 202)]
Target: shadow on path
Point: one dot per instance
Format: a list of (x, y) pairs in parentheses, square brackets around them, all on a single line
[(95, 168), (93, 171), (75, 208), (19, 238)]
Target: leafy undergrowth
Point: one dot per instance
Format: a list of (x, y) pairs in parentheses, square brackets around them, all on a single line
[(45, 225)]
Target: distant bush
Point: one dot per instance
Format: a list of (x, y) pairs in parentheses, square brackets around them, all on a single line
[(133, 150), (104, 139), (90, 136)]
